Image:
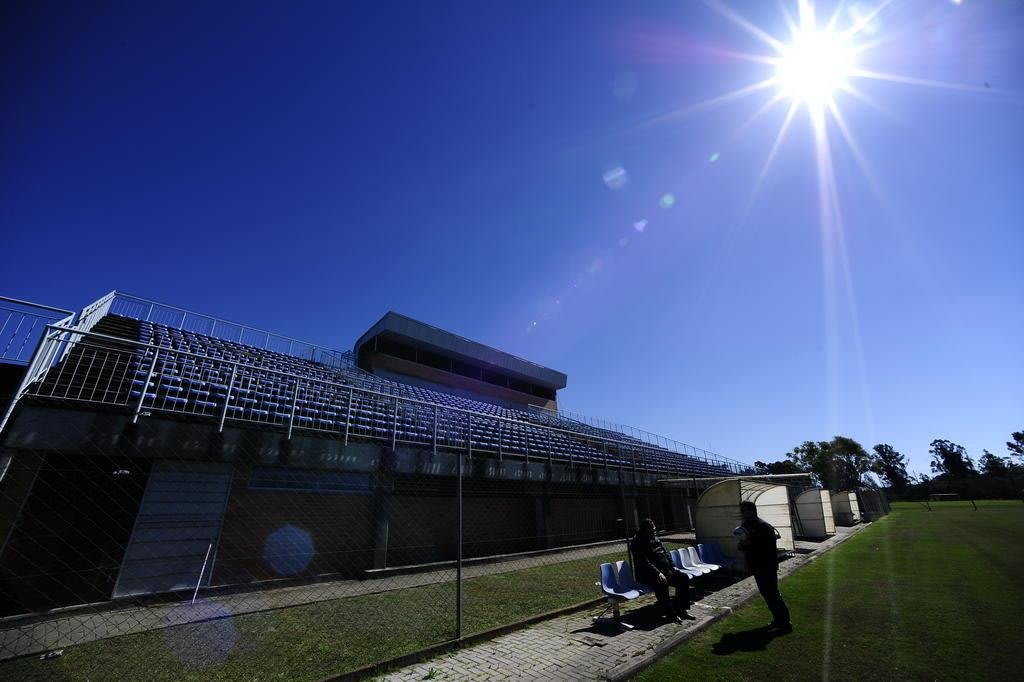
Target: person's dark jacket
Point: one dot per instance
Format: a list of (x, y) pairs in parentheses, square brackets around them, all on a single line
[(649, 558), (761, 548)]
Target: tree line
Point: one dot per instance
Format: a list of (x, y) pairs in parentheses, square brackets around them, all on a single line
[(842, 463)]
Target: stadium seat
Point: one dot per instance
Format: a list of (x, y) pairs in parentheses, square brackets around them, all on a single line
[(711, 553), (695, 559), (689, 565), (626, 580), (677, 561), (615, 595), (193, 374)]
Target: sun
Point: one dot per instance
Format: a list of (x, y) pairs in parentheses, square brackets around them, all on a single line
[(815, 66)]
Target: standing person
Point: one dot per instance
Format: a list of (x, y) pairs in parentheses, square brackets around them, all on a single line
[(760, 547), (653, 566)]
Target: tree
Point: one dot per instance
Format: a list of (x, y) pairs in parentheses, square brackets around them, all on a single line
[(950, 460), (838, 464), (891, 466), (783, 467), (1016, 446), (993, 466)]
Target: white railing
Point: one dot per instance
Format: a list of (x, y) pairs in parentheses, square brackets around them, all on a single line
[(105, 369), (661, 442), (22, 324), (23, 338), (147, 310)]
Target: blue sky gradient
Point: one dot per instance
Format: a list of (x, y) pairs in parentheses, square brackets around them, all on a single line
[(307, 167)]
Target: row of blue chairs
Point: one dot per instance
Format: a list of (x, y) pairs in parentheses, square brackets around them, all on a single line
[(619, 585)]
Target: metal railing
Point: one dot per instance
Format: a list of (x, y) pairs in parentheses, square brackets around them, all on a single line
[(147, 310), (147, 378), (22, 334), (22, 324), (661, 442)]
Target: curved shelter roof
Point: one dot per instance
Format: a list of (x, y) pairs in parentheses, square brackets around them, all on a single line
[(814, 509), (873, 504), (718, 512), (845, 508)]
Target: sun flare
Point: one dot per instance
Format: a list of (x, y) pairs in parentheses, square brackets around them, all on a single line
[(814, 67)]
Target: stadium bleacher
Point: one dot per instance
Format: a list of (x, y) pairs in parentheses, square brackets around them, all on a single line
[(160, 368)]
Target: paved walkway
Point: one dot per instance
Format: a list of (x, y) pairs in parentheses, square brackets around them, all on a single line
[(573, 648), (32, 635)]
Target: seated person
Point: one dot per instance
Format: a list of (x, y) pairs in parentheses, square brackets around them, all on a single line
[(653, 566)]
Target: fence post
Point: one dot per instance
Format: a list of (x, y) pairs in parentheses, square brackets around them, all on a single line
[(145, 385), (434, 438), (394, 425), (458, 557), (295, 400), (526, 439), (348, 413), (227, 399)]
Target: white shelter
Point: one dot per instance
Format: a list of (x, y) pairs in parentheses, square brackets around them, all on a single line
[(718, 512), (814, 509), (845, 509), (873, 504)]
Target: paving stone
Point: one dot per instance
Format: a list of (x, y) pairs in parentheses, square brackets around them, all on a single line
[(564, 648)]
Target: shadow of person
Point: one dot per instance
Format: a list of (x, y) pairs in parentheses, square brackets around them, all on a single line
[(647, 617), (746, 640)]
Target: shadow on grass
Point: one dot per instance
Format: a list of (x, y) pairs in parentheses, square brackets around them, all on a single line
[(757, 639)]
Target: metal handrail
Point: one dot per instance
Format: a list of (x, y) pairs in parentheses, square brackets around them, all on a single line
[(33, 365), (676, 445), (36, 305), (243, 329), (234, 365)]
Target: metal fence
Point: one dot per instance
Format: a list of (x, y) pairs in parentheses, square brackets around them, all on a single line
[(662, 442), (138, 565), (139, 308), (22, 324)]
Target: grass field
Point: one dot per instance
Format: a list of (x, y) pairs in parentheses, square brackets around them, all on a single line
[(918, 595), (314, 641)]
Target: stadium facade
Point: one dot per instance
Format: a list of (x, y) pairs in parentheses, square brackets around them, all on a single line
[(149, 449)]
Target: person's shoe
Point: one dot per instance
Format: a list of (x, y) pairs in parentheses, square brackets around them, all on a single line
[(688, 616), (781, 627)]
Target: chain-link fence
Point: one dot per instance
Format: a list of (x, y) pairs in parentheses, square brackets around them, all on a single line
[(166, 512)]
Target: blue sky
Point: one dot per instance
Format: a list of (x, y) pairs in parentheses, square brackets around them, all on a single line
[(501, 170)]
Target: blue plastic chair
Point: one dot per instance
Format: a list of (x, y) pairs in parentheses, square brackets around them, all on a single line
[(711, 552), (677, 561), (616, 593), (626, 579), (695, 559), (610, 585)]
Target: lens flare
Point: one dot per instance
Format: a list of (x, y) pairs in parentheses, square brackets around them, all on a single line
[(815, 66)]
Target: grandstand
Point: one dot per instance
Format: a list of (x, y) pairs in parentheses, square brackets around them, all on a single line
[(152, 406)]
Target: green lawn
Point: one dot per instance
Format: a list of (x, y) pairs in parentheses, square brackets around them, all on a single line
[(918, 595), (314, 641)]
